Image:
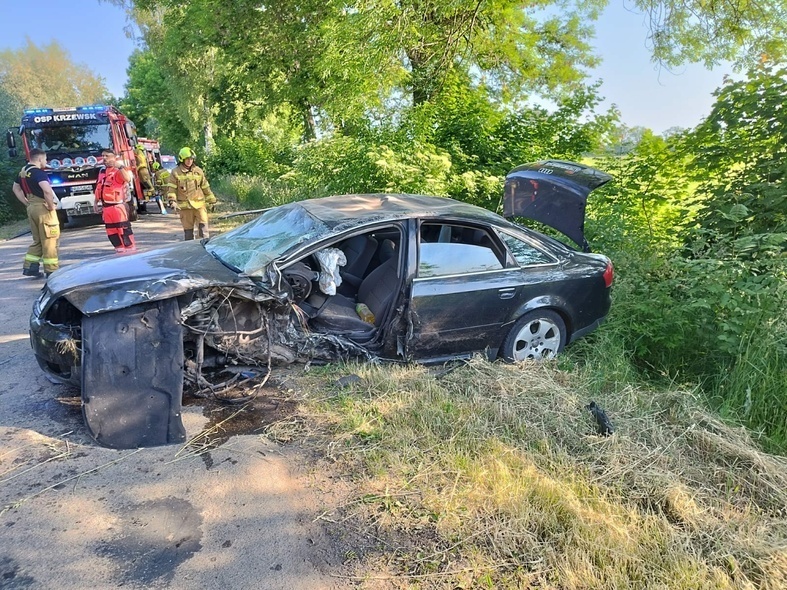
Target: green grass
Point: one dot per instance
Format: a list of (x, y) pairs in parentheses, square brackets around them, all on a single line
[(752, 389)]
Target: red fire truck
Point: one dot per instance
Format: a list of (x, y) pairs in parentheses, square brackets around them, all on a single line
[(152, 149), (73, 138)]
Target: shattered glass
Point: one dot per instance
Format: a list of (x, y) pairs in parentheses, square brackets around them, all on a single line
[(251, 247)]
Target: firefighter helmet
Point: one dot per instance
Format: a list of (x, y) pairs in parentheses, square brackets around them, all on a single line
[(184, 153)]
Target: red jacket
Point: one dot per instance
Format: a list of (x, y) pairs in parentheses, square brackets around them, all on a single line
[(111, 187)]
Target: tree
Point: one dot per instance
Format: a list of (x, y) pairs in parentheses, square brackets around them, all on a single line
[(21, 85), (66, 82), (741, 155), (711, 32)]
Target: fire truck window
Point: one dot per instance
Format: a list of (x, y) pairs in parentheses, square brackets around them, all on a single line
[(71, 139)]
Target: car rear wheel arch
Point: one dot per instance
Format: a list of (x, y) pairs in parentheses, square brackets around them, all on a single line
[(553, 302), (538, 334)]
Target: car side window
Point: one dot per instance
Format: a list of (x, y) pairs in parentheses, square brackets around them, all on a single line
[(524, 253), (447, 249)]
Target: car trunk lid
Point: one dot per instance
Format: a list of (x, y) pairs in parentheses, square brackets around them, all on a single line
[(553, 192)]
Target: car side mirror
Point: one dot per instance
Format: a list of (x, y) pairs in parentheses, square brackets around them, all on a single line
[(10, 140)]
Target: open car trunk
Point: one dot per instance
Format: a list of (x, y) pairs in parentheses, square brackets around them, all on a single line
[(553, 192)]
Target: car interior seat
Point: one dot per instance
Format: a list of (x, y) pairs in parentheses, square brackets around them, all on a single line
[(359, 251), (377, 290), (386, 250)]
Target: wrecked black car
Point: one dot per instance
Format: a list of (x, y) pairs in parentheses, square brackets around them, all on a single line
[(388, 276)]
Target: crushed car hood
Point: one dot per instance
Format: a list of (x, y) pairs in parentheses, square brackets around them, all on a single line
[(553, 192), (116, 282)]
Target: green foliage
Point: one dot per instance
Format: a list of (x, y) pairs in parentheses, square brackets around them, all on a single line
[(254, 192), (344, 164), (741, 157), (10, 207), (711, 32), (245, 155)]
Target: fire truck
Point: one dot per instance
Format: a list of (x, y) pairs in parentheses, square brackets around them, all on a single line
[(152, 149), (73, 138)]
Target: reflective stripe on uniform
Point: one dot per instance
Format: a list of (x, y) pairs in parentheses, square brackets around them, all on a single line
[(31, 258)]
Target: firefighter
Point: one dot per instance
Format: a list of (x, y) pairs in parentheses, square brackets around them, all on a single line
[(142, 169), (189, 190), (111, 191), (160, 176), (33, 190)]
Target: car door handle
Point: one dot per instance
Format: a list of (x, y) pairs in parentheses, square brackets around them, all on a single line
[(507, 293)]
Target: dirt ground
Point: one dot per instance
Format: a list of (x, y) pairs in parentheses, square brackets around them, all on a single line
[(76, 515)]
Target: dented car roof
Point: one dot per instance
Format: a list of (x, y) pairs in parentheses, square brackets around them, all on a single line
[(251, 247)]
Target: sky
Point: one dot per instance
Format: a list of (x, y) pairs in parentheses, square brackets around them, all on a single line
[(645, 95)]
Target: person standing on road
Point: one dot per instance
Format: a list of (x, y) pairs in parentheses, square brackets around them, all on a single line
[(189, 190), (111, 192), (33, 190), (142, 169)]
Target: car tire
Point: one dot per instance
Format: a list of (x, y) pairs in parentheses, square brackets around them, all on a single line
[(133, 209), (62, 218), (537, 335)]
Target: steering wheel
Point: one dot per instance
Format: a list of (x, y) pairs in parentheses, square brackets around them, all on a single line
[(299, 277)]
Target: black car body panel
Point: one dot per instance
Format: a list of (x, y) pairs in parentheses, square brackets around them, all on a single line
[(134, 359), (553, 192), (109, 283), (441, 279)]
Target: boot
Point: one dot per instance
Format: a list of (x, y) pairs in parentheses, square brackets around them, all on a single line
[(203, 231), (189, 233), (32, 271)]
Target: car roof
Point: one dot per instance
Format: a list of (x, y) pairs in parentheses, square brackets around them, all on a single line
[(360, 209)]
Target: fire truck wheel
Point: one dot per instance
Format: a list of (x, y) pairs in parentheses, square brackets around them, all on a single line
[(133, 209), (62, 217)]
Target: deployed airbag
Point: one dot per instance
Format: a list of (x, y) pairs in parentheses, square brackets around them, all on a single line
[(330, 260)]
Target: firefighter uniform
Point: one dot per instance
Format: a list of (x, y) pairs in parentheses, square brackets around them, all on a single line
[(142, 169), (160, 177), (189, 189), (44, 224), (111, 192)]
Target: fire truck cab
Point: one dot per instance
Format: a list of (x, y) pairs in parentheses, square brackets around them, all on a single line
[(73, 138)]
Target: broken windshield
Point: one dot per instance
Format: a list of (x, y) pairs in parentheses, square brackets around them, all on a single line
[(254, 245)]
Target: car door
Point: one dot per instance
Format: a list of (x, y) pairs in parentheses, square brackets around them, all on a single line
[(465, 288)]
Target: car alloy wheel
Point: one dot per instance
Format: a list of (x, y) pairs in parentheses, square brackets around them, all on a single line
[(538, 335)]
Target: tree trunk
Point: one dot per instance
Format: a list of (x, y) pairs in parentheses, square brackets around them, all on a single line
[(309, 124)]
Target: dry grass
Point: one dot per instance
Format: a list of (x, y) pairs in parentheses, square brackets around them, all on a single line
[(492, 476)]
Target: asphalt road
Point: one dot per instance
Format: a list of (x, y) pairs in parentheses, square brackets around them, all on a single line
[(76, 515)]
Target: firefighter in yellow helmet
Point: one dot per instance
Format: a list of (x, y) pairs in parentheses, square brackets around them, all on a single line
[(160, 176), (189, 190)]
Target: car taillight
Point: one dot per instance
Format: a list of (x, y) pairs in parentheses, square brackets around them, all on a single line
[(609, 274)]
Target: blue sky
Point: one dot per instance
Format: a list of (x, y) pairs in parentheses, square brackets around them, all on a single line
[(645, 95)]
